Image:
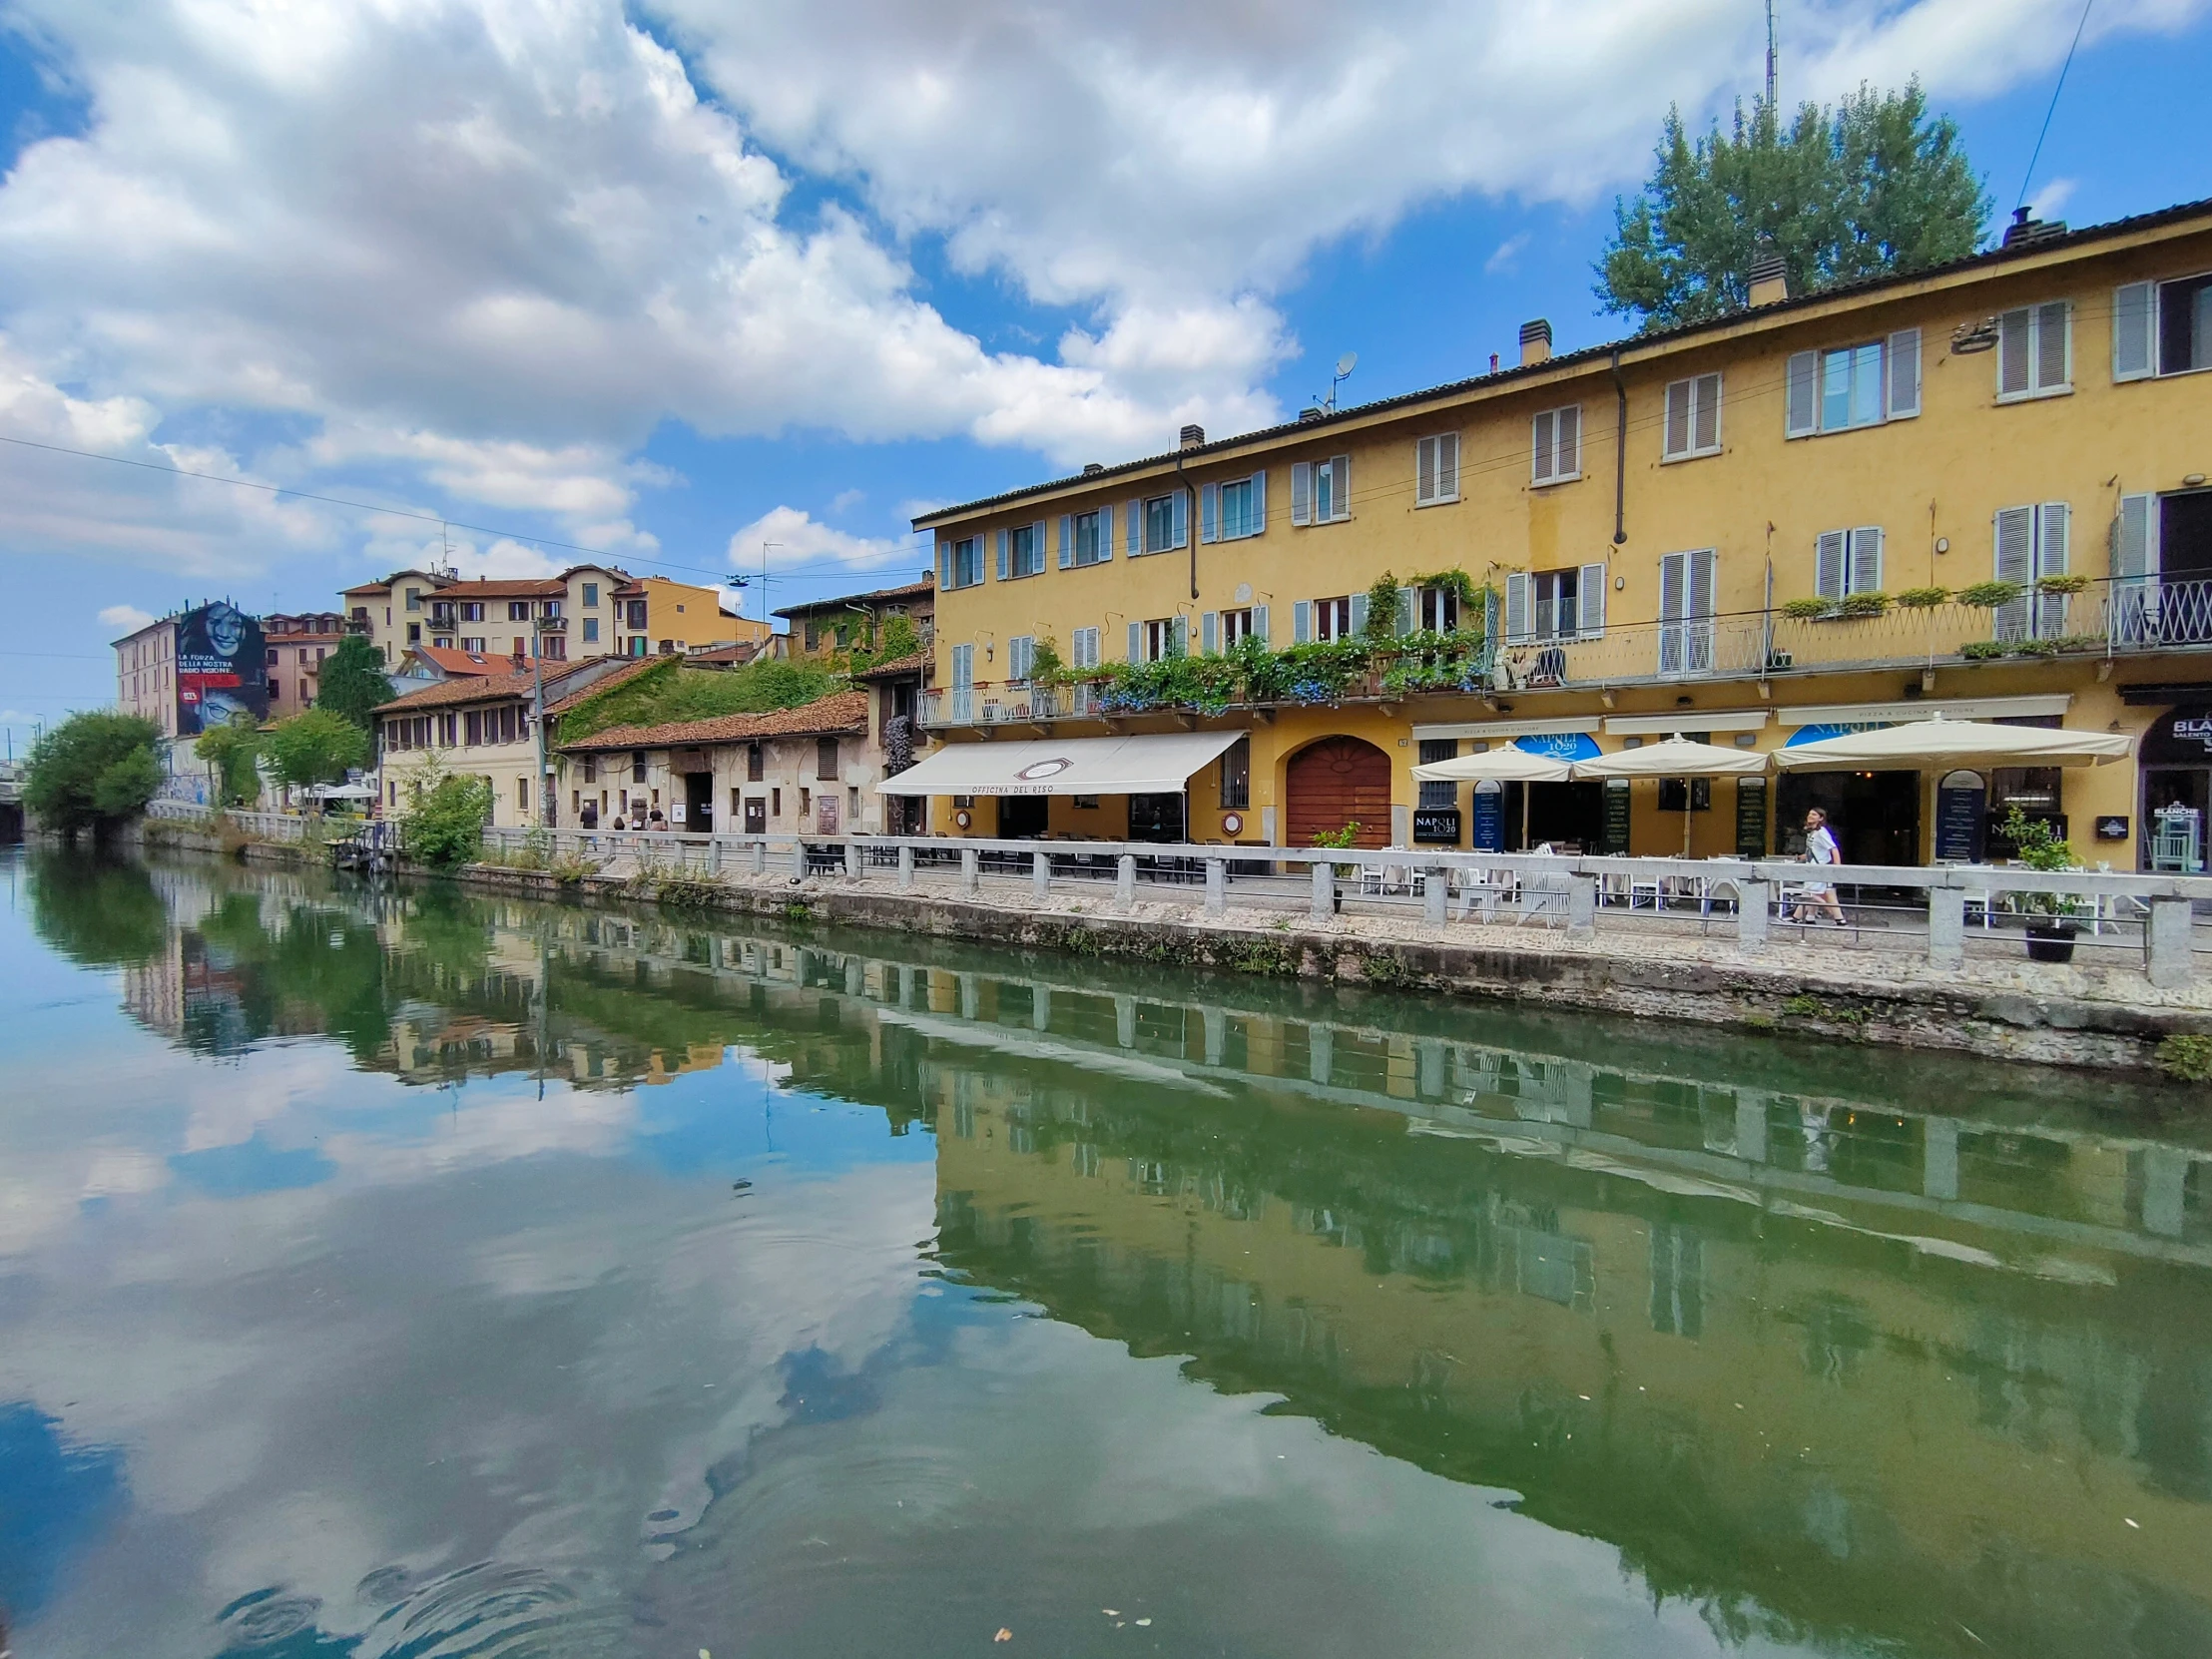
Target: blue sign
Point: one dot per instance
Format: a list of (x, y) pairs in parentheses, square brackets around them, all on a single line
[(1489, 817), (1815, 733), (1561, 746)]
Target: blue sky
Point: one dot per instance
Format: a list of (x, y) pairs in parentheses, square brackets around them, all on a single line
[(675, 280)]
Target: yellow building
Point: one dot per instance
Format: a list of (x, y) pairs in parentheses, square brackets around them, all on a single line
[(1978, 491), (586, 611)]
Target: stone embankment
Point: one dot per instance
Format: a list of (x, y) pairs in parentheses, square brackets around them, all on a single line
[(1822, 985)]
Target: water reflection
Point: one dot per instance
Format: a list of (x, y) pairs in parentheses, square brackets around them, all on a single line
[(444, 1275)]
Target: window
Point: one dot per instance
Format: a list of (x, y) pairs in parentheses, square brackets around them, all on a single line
[(826, 760), (1547, 605), (1158, 640), (1321, 492), (522, 794), (2036, 351), (591, 630), (1556, 438), (1084, 646), (591, 594), (473, 644), (1086, 538), (512, 727), (2162, 327), (2031, 544), (1686, 584), (1159, 524), (1436, 470), (591, 768), (552, 608), (1328, 618), (1020, 552), (473, 611), (1233, 509), (1236, 776), (1021, 656), (756, 762), (518, 610), (637, 765), (556, 648), (668, 648), (1847, 561), (1434, 608), (813, 634), (1438, 792), (637, 613), (414, 599), (1693, 418), (776, 802), (472, 728), (960, 565), (1850, 386), (1223, 630), (414, 633)]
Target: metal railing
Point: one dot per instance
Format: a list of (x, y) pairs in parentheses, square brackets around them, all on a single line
[(2109, 618), (2148, 917), (268, 826)]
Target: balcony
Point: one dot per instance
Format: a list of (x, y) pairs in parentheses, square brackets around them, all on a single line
[(2105, 618)]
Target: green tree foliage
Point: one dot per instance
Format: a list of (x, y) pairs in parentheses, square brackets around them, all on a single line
[(444, 826), (93, 771), (1872, 187), (353, 682), (234, 749), (673, 691), (317, 747)]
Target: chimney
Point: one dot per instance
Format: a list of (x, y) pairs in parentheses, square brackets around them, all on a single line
[(1310, 412), (2027, 229), (1091, 470), (1769, 281), (1535, 341), (1194, 437)]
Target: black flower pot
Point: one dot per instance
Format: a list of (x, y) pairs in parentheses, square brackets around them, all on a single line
[(2050, 938)]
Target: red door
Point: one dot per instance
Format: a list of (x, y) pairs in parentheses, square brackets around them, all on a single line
[(1336, 781)]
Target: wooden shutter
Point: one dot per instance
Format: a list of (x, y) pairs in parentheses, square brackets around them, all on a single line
[(1448, 466), (1260, 502), (1905, 373), (1136, 642), (1136, 532), (2012, 354), (1302, 492), (1209, 513), (1259, 623), (1519, 625), (1424, 471), (1589, 598), (2135, 311), (1301, 622), (1543, 429), (1802, 407), (2053, 346), (2135, 538), (1827, 564), (1677, 441), (1866, 560), (1179, 520), (1067, 540), (1706, 427), (1569, 463), (1209, 633)]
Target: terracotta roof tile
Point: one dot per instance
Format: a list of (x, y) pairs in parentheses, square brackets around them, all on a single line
[(460, 663), (484, 688), (911, 590), (838, 712), (920, 663)]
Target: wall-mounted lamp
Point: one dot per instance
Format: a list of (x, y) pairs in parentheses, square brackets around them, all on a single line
[(1619, 582), (1942, 544)]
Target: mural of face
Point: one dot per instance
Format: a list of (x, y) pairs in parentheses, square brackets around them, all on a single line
[(226, 628)]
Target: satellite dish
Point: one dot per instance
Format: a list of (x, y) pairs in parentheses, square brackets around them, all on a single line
[(1346, 363)]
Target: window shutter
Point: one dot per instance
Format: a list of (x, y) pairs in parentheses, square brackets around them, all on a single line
[(2135, 547), (1359, 614), (1179, 519), (1589, 596), (1136, 532), (1542, 428), (1406, 613), (1518, 628), (1105, 535), (1209, 633), (1708, 422), (2053, 346), (1180, 637), (1340, 498), (2012, 354), (1801, 418), (1259, 623), (963, 665), (2015, 550), (1447, 467), (1705, 569), (2133, 307), (1003, 540), (1067, 540), (1136, 642), (1302, 492), (1424, 471), (1866, 560), (1677, 419), (1036, 548), (1828, 565), (2053, 526), (1570, 441), (944, 564), (1904, 374), (1672, 584), (1209, 513), (1260, 502)]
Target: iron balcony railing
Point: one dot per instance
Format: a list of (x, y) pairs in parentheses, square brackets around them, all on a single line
[(2106, 617)]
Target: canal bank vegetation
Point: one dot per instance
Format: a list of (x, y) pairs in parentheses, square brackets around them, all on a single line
[(93, 771), (672, 691)]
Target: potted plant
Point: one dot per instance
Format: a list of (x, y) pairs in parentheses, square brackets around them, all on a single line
[(2050, 927)]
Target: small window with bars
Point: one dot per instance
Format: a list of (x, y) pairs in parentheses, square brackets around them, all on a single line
[(1236, 776), (1434, 793)]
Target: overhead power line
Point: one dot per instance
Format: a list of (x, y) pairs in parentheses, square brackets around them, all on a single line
[(2037, 154)]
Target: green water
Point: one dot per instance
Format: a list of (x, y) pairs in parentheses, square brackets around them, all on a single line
[(416, 1274)]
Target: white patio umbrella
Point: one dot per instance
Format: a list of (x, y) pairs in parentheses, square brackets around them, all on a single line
[(1507, 763), (1926, 744), (1678, 756)]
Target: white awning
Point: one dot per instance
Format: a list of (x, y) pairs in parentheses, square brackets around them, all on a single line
[(2043, 706), (1494, 730), (1157, 763)]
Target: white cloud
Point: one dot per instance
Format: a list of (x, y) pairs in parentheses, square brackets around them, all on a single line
[(800, 538), (1507, 254), (125, 619), (2051, 201), (846, 500)]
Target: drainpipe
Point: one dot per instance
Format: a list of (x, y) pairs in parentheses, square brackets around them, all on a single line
[(1190, 489), (1620, 453)]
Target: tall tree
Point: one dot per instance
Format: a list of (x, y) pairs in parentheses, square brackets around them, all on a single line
[(1875, 185), (317, 747), (234, 749), (93, 771), (352, 681)]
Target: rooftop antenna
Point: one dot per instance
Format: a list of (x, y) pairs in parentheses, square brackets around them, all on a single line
[(1344, 365), (1772, 112)]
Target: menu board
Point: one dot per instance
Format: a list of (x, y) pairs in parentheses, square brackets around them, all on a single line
[(1489, 817), (1614, 843), (1751, 818), (1962, 816)]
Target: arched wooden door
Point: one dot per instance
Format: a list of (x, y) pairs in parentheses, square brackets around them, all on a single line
[(1336, 782)]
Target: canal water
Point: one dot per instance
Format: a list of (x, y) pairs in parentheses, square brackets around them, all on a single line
[(420, 1273)]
